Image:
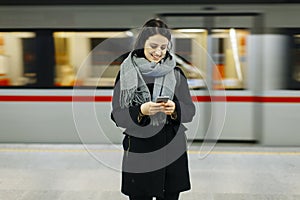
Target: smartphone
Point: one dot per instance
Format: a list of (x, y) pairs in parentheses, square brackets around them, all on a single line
[(163, 99)]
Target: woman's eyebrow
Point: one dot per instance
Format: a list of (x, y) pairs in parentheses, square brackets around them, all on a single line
[(153, 43)]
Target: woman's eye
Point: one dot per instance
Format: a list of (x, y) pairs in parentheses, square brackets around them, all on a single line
[(153, 46)]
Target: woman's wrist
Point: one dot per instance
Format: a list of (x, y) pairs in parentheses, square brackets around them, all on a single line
[(140, 115), (174, 115)]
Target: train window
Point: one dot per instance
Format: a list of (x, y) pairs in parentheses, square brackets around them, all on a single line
[(293, 60), (294, 72), (228, 53), (92, 53), (190, 50), (47, 58), (229, 56), (17, 59)]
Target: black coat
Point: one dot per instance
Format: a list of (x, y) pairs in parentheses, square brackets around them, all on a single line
[(155, 159)]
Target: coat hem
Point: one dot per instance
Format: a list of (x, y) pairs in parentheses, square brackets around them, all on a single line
[(154, 195)]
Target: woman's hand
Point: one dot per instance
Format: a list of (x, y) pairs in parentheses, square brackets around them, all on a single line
[(169, 107), (151, 108)]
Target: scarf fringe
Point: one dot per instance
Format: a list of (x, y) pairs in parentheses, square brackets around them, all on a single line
[(130, 97), (127, 97), (158, 118)]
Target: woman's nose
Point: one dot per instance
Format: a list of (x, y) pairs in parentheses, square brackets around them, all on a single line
[(158, 51)]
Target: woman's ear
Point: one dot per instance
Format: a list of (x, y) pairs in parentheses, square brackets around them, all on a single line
[(170, 45)]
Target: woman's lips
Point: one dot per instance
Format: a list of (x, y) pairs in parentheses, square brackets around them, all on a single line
[(155, 57)]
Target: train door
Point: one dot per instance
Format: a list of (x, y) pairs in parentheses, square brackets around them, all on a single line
[(216, 44)]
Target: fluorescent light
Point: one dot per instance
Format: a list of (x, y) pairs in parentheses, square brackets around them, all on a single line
[(104, 34), (191, 30), (18, 34)]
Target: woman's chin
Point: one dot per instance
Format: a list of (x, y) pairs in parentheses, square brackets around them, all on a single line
[(155, 60)]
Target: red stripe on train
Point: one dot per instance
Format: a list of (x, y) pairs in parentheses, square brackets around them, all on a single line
[(255, 99), (57, 98)]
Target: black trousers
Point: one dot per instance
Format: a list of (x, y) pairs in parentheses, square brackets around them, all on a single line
[(171, 196)]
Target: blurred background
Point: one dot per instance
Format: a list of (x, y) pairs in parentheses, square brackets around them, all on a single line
[(58, 63), (247, 52)]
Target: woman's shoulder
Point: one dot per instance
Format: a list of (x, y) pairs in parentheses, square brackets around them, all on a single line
[(178, 70)]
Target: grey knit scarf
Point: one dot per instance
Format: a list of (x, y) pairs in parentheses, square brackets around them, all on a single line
[(134, 89)]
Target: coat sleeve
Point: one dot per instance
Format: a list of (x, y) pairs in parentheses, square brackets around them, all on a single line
[(185, 107), (126, 117)]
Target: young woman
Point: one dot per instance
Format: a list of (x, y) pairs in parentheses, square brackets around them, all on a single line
[(155, 162)]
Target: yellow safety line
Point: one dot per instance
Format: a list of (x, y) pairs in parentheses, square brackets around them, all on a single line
[(289, 153), (247, 152), (57, 150)]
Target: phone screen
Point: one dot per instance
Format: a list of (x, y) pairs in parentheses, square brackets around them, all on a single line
[(162, 99)]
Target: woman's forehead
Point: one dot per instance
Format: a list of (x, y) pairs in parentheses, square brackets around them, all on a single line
[(158, 39)]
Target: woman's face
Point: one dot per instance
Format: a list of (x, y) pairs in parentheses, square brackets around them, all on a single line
[(156, 47)]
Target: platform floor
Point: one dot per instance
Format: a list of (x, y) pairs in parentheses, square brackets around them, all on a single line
[(77, 172)]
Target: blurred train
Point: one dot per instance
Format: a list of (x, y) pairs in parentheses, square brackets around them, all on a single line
[(58, 64)]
